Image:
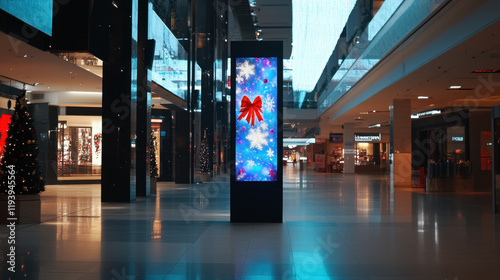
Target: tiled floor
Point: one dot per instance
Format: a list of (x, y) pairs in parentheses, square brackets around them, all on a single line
[(335, 227)]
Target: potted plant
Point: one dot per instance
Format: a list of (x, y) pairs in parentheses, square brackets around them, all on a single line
[(20, 180)]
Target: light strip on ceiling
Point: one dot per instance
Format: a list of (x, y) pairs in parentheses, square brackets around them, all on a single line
[(317, 26)]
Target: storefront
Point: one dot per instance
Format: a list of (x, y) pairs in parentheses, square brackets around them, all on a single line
[(79, 147), (454, 150)]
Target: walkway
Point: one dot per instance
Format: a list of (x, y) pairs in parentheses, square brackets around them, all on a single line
[(336, 227)]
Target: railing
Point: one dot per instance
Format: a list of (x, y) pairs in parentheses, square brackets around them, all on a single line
[(392, 23)]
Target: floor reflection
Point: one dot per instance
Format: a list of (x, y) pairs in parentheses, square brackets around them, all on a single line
[(336, 227)]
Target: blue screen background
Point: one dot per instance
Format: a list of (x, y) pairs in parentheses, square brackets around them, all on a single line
[(37, 13), (257, 145)]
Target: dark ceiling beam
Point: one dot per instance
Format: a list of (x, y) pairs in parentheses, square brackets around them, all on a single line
[(241, 11)]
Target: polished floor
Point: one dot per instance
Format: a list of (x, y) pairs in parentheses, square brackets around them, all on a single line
[(335, 227)]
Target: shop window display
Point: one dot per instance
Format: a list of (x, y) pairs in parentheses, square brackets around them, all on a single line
[(75, 150)]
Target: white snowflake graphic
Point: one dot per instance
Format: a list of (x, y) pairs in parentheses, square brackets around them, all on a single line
[(270, 153), (239, 79), (241, 176), (263, 126), (251, 163), (245, 70), (269, 103), (257, 138)]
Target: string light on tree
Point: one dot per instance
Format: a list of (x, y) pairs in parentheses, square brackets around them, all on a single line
[(153, 173), (204, 154)]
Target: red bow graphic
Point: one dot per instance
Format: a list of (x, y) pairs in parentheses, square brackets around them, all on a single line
[(250, 109)]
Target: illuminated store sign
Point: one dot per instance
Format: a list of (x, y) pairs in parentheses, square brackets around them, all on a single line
[(256, 119), (367, 137), (457, 139), (426, 113)]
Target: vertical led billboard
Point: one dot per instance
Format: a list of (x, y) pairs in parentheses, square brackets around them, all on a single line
[(256, 118), (256, 132)]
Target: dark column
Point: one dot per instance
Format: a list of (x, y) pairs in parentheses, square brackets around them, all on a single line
[(51, 176), (166, 148), (119, 101), (143, 104), (40, 114), (182, 153), (206, 59), (495, 175)]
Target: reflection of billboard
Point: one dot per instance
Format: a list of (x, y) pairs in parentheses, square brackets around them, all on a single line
[(37, 13), (170, 62), (4, 127), (256, 119)]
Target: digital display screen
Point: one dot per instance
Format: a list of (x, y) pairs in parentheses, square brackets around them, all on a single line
[(335, 138), (256, 118), (37, 13)]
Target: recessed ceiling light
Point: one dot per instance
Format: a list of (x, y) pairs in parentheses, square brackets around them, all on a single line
[(374, 111), (25, 55), (455, 87), (364, 113), (423, 97), (432, 105)]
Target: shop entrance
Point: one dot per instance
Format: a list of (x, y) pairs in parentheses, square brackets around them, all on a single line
[(79, 147)]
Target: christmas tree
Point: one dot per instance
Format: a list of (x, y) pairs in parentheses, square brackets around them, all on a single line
[(20, 160), (204, 160), (153, 173)]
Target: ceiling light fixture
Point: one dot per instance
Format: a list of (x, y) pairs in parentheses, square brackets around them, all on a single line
[(455, 87), (374, 125), (423, 97)]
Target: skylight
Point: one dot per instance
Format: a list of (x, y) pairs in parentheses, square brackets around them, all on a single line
[(317, 26)]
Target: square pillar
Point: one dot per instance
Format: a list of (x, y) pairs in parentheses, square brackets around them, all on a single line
[(119, 105), (143, 102), (349, 148)]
